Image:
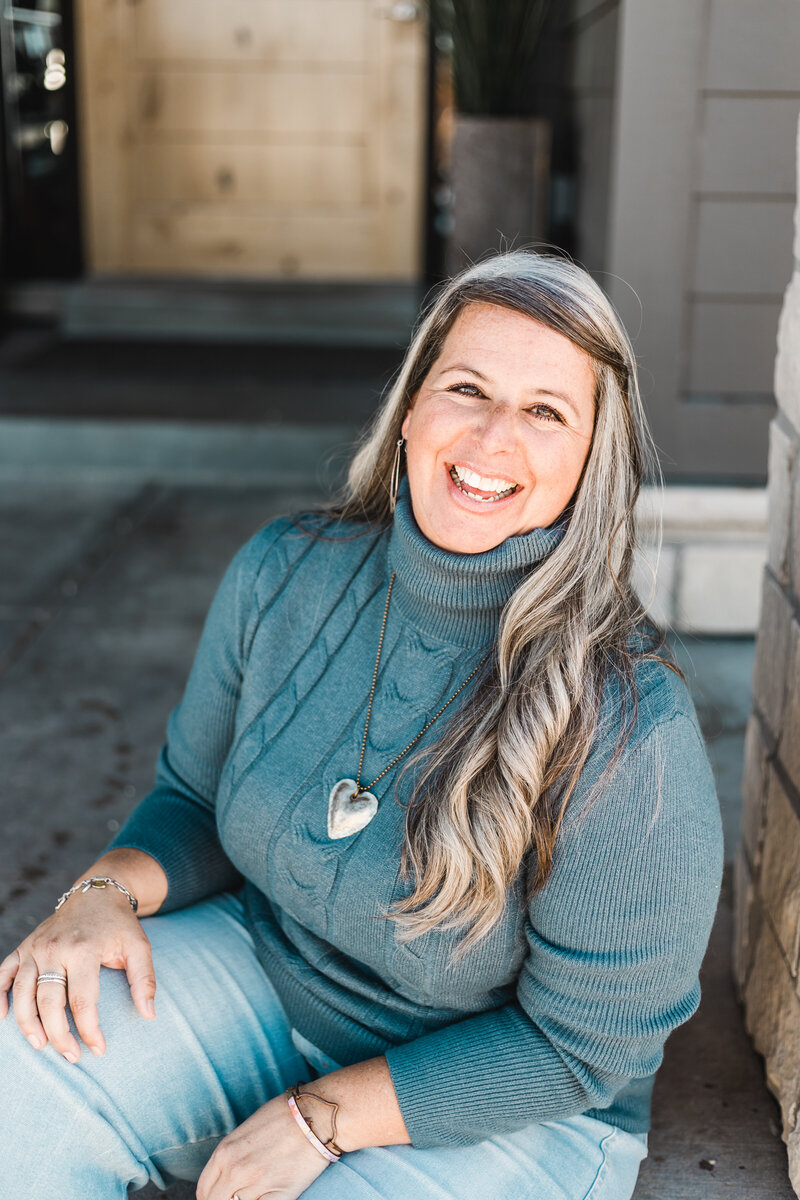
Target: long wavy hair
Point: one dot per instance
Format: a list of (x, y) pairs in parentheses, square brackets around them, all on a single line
[(490, 794)]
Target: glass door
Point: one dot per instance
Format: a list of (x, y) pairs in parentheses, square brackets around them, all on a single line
[(41, 229)]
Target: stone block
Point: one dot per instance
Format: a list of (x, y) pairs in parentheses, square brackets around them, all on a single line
[(787, 363), (779, 882), (789, 744), (747, 918), (772, 1011), (783, 444), (797, 218), (719, 585), (754, 791), (654, 581), (773, 649), (703, 513), (793, 1148), (794, 548)]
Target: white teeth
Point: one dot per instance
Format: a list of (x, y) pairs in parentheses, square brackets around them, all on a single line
[(462, 477), (471, 478)]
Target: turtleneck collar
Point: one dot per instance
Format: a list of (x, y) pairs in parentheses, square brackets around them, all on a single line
[(459, 597)]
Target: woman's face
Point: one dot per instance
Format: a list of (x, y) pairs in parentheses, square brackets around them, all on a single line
[(499, 431)]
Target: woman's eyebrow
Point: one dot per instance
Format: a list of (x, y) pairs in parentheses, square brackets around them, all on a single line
[(464, 367)]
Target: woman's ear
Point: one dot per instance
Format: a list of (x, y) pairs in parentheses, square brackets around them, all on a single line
[(404, 426)]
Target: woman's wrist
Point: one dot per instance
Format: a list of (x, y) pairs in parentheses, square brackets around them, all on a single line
[(137, 871), (296, 1135), (368, 1113), (300, 1099)]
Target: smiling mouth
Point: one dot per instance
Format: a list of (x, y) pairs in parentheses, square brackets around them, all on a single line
[(479, 487)]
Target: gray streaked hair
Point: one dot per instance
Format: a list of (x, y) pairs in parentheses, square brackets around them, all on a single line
[(492, 790)]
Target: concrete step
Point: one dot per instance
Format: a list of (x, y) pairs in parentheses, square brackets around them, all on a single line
[(368, 314)]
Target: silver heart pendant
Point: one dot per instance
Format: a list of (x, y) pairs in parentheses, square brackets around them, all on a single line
[(345, 815)]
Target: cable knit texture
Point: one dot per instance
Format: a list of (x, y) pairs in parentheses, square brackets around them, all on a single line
[(565, 1006)]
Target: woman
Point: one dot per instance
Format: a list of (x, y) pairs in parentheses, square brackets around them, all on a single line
[(433, 823)]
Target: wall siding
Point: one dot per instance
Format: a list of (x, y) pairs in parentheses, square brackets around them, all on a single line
[(703, 189)]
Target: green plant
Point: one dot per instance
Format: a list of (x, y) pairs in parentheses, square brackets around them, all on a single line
[(493, 44)]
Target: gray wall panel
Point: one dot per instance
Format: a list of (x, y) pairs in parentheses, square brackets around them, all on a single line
[(594, 117), (698, 249), (754, 45), (748, 144), (595, 54), (732, 347), (592, 79), (742, 246), (585, 8)]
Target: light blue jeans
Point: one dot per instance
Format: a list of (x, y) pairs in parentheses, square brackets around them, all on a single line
[(155, 1105)]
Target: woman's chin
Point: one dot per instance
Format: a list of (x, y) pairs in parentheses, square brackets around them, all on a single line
[(462, 525), (464, 532)]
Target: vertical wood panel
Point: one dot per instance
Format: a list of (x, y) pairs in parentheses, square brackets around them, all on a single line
[(332, 177), (312, 106), (251, 31), (102, 41), (313, 112), (397, 93)]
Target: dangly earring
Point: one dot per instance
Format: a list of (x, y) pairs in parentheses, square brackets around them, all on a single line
[(394, 480)]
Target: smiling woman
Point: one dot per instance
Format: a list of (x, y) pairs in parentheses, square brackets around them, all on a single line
[(500, 428), (476, 949)]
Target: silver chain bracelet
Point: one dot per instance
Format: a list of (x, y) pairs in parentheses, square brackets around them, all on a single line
[(98, 881)]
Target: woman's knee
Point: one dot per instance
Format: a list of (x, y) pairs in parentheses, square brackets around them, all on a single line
[(57, 1134)]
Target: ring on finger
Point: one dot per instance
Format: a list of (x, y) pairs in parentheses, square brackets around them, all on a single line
[(52, 977)]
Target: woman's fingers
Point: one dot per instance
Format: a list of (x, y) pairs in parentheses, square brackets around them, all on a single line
[(141, 975), (26, 1011), (51, 1001), (8, 973), (83, 995)]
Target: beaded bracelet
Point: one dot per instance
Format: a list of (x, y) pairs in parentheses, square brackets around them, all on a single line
[(334, 1153)]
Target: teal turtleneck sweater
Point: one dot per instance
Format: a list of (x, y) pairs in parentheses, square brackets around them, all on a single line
[(564, 1007)]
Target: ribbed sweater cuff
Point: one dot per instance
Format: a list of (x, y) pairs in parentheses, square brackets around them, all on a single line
[(491, 1073), (183, 839)]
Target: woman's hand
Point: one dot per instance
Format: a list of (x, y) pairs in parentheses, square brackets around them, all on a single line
[(266, 1156), (89, 931)]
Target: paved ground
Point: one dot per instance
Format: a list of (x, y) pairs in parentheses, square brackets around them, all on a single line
[(103, 587)]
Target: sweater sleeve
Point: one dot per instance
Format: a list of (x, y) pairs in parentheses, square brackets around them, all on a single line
[(176, 822), (615, 937)]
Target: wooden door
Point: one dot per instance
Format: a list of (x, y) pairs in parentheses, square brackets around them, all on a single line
[(268, 138)]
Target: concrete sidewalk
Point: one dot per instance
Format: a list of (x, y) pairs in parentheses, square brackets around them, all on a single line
[(103, 589)]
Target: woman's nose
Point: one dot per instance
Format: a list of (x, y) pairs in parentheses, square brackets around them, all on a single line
[(498, 427)]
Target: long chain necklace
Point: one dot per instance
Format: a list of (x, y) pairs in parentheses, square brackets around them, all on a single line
[(351, 807)]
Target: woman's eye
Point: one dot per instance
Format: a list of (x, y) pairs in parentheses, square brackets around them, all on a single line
[(465, 389), (545, 413)]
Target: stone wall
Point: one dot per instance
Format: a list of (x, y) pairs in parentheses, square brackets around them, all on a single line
[(707, 577), (767, 881)]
